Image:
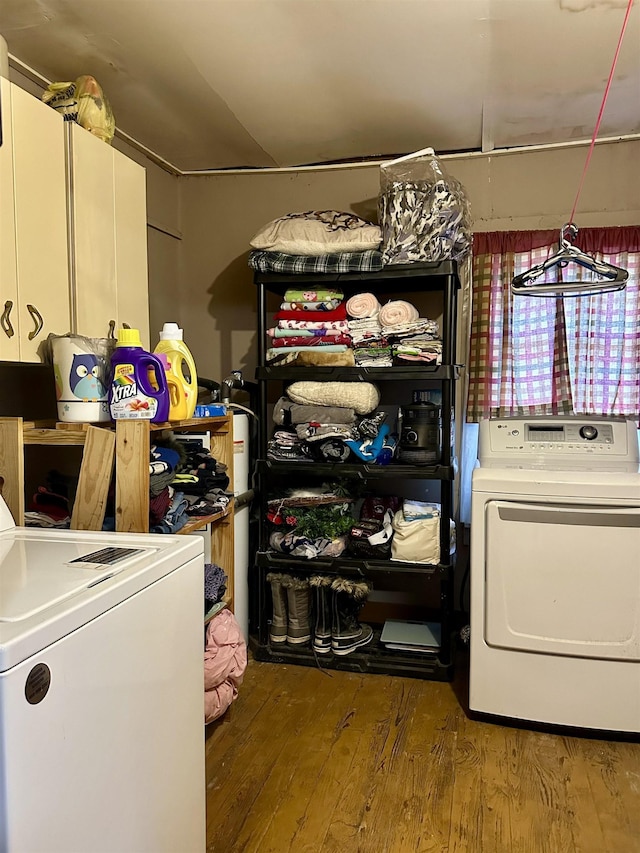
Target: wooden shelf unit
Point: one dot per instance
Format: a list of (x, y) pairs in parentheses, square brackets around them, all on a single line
[(127, 447)]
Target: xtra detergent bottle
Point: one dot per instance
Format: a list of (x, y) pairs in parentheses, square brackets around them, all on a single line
[(138, 387), (181, 362)]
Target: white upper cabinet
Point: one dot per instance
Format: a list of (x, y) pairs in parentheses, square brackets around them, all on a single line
[(73, 231), (108, 238), (34, 268), (9, 337)]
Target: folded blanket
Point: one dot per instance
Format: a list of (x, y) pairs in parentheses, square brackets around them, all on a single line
[(321, 358), (321, 432), (316, 357), (271, 353), (397, 311), (363, 397), (336, 262), (311, 325), (422, 326), (312, 307), (363, 305), (339, 313), (306, 333), (286, 411), (321, 294), (314, 341)]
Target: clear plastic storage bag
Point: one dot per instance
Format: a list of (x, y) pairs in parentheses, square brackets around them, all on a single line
[(424, 213)]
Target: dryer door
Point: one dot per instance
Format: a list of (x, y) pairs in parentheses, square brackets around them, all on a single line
[(563, 579)]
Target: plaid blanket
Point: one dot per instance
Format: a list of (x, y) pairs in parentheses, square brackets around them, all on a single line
[(369, 261)]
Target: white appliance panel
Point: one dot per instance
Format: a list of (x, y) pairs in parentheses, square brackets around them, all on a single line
[(112, 756), (554, 583)]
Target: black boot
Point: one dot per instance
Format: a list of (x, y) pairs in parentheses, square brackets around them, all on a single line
[(320, 586), (347, 634)]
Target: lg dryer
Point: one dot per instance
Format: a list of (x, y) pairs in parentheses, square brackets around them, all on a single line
[(555, 572)]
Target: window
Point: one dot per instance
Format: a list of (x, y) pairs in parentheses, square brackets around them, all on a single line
[(547, 356)]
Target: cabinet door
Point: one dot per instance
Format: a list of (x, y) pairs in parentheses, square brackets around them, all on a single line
[(41, 221), (131, 244), (9, 333), (109, 237), (93, 234)]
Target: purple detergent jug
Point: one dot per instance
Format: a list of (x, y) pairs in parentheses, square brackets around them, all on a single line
[(138, 388)]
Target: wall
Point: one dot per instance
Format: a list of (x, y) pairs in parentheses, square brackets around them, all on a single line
[(220, 214)]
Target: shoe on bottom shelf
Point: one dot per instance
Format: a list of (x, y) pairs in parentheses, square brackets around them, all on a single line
[(347, 634)]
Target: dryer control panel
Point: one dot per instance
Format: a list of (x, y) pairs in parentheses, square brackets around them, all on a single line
[(552, 437)]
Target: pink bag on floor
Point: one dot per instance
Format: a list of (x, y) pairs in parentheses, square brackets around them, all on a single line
[(225, 660)]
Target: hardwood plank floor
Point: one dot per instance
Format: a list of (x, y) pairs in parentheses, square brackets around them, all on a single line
[(307, 761)]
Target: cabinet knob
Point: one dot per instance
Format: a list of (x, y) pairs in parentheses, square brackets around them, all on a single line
[(37, 319), (5, 322)]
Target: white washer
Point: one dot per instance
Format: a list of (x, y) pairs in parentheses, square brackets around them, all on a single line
[(555, 572), (101, 692)]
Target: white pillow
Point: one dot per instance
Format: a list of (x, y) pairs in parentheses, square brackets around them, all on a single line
[(317, 232)]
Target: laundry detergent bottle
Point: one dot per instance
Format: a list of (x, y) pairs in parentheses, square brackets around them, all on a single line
[(138, 388), (178, 404), (181, 363)]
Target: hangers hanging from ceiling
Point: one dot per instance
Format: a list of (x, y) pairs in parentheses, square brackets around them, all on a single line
[(611, 277)]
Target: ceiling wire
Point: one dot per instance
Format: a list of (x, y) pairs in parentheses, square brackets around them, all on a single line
[(600, 114)]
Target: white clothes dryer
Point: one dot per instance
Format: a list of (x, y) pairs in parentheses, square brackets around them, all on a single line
[(555, 572)]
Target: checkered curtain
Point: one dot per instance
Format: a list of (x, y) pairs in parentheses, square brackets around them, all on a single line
[(547, 356)]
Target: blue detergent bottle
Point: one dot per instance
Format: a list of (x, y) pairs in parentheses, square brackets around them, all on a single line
[(138, 387)]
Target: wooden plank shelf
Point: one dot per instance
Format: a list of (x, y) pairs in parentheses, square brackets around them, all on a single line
[(125, 447)]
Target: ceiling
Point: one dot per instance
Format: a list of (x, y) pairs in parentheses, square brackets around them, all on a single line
[(215, 84)]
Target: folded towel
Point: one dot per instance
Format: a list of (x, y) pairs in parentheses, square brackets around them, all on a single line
[(397, 312), (319, 295), (314, 341), (313, 307), (363, 305), (305, 333), (321, 358), (363, 397), (273, 352), (313, 326), (339, 313)]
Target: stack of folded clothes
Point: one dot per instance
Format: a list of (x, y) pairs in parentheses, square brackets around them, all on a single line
[(330, 422), (312, 242), (370, 346), (310, 322), (412, 338), (185, 482)]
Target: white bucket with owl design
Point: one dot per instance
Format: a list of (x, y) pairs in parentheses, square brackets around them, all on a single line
[(81, 369)]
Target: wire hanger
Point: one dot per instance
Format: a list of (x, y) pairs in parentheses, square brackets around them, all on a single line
[(611, 277)]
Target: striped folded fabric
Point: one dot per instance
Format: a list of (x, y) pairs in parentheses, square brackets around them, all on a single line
[(367, 261)]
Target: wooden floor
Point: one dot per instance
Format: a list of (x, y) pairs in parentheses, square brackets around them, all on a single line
[(308, 762)]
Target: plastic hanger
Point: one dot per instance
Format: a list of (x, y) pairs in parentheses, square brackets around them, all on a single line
[(611, 277)]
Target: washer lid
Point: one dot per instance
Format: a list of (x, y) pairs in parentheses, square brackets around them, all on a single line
[(53, 582), (35, 576)]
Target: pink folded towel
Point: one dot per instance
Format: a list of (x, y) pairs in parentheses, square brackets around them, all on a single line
[(363, 305), (397, 312)]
